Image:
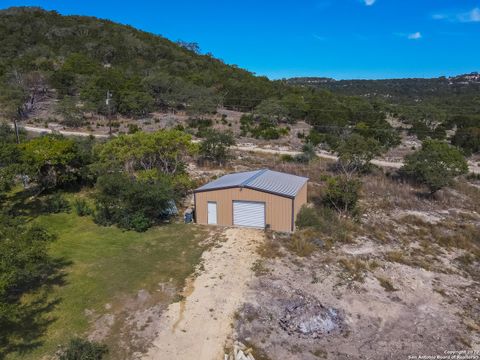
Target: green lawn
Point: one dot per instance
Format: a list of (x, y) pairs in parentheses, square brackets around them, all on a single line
[(107, 264)]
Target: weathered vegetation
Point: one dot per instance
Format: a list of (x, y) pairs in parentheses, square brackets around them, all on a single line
[(90, 253), (374, 268)]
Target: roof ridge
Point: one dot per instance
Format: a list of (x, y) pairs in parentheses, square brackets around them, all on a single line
[(253, 177)]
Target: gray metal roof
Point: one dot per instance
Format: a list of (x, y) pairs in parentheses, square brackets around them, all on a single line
[(263, 180)]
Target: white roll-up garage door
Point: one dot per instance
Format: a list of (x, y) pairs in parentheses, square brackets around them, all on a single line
[(249, 213)]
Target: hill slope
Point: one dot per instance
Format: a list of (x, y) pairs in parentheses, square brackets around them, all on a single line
[(398, 90), (430, 106), (76, 60), (75, 48)]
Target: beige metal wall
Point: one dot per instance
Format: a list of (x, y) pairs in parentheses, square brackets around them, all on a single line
[(300, 199), (278, 209)]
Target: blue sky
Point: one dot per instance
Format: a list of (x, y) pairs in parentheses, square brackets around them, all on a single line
[(342, 39)]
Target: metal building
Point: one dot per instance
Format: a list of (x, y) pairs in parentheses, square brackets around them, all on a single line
[(252, 199)]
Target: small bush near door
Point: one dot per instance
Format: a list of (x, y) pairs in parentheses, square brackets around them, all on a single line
[(80, 349)]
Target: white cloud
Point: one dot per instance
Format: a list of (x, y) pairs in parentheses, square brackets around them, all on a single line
[(320, 38), (369, 2), (439, 16), (464, 17), (415, 36), (470, 16)]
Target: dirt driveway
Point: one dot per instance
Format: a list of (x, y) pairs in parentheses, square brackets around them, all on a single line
[(198, 326)]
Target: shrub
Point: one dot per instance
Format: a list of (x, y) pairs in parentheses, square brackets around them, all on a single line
[(436, 164), (356, 152), (342, 194), (287, 158), (199, 123), (133, 128), (270, 248), (325, 225), (307, 217), (216, 146), (80, 349), (55, 203), (308, 153), (139, 222), (133, 203), (261, 127), (315, 137), (82, 208), (301, 243), (468, 139)]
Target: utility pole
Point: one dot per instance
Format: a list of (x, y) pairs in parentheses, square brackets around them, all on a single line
[(15, 126), (107, 102), (17, 137)]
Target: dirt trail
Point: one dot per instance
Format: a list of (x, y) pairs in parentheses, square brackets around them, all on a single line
[(38, 130), (379, 162), (198, 326), (322, 154)]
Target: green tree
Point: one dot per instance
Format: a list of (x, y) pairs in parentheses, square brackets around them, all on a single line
[(296, 106), (72, 115), (64, 81), (436, 164), (9, 156), (202, 103), (380, 130), (12, 100), (164, 150), (273, 109), (355, 153), (51, 161), (25, 266), (342, 194), (216, 146), (133, 203), (468, 139), (134, 102)]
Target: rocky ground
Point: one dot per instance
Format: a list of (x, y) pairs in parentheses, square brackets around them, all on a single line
[(403, 283)]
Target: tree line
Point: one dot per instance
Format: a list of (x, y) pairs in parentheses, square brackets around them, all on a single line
[(136, 180), (431, 108), (77, 60)]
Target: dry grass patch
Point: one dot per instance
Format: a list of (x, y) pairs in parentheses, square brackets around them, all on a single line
[(386, 283), (463, 236), (385, 193), (301, 242), (271, 247), (403, 257), (376, 231), (471, 194), (355, 269), (259, 268)]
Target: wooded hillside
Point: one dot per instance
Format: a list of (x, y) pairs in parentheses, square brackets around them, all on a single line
[(429, 106), (77, 59)]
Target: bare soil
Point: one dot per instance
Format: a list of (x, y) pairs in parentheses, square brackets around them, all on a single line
[(199, 326), (418, 317), (406, 283)]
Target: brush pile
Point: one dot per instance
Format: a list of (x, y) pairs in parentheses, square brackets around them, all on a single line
[(239, 352)]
